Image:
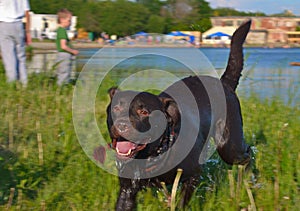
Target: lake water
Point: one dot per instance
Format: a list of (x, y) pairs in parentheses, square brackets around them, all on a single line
[(266, 71)]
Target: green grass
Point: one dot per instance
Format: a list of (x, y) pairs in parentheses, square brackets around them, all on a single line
[(43, 167)]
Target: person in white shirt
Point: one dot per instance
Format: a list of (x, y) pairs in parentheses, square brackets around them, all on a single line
[(13, 39)]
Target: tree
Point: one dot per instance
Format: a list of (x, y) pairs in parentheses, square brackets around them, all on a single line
[(203, 8), (52, 6), (156, 24), (122, 17), (225, 11), (204, 12), (285, 13), (89, 17), (192, 15), (154, 6)]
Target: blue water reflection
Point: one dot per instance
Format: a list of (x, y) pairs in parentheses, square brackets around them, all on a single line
[(267, 72)]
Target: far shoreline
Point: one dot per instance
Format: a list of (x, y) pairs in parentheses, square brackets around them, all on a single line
[(50, 47)]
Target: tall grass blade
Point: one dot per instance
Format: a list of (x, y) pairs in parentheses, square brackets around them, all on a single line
[(174, 189)]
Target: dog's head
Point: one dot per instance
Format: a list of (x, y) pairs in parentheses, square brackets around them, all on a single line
[(137, 120)]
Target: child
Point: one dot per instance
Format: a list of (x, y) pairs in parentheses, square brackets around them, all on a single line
[(65, 51)]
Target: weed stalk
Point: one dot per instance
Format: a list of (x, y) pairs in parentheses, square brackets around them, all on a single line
[(10, 199), (40, 144), (231, 184), (19, 203), (11, 132), (43, 205), (250, 195), (165, 190), (174, 189), (239, 185)]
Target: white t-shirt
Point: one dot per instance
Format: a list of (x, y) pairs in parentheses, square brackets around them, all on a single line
[(13, 10)]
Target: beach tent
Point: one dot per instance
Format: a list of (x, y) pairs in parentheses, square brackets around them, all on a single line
[(178, 33), (141, 33), (217, 34)]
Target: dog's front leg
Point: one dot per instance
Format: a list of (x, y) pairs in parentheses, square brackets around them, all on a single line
[(127, 195), (188, 189)]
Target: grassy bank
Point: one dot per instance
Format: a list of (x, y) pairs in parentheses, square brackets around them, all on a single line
[(43, 167)]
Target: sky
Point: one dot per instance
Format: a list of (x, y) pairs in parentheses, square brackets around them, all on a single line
[(266, 6)]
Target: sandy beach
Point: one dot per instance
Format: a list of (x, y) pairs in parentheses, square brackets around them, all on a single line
[(40, 46), (52, 46), (46, 47)]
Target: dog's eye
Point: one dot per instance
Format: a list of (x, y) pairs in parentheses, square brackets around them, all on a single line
[(143, 112), (116, 108)]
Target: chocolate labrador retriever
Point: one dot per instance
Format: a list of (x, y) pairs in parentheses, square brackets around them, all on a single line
[(155, 135)]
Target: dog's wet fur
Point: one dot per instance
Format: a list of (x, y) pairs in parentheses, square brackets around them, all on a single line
[(229, 141)]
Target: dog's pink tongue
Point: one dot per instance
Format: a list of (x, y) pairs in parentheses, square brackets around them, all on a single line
[(124, 146)]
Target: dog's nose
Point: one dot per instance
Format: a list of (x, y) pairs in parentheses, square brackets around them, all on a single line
[(122, 126)]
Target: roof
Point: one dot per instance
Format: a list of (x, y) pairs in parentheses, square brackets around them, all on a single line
[(218, 34), (229, 30), (178, 33)]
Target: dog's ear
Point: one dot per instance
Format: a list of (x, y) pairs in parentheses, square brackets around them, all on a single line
[(171, 109), (112, 91)]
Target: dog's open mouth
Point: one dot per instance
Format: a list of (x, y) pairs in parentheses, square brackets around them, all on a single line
[(128, 149)]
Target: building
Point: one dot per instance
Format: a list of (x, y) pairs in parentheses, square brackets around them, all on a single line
[(45, 25), (264, 30), (293, 37), (224, 38)]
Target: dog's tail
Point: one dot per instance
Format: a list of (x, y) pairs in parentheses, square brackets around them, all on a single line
[(234, 67)]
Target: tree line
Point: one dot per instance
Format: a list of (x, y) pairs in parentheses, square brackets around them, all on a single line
[(123, 17)]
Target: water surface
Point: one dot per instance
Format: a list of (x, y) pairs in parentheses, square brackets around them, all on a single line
[(267, 72)]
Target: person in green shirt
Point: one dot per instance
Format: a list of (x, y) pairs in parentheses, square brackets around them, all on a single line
[(64, 48)]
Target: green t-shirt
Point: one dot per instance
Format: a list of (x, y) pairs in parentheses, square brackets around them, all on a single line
[(61, 34)]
